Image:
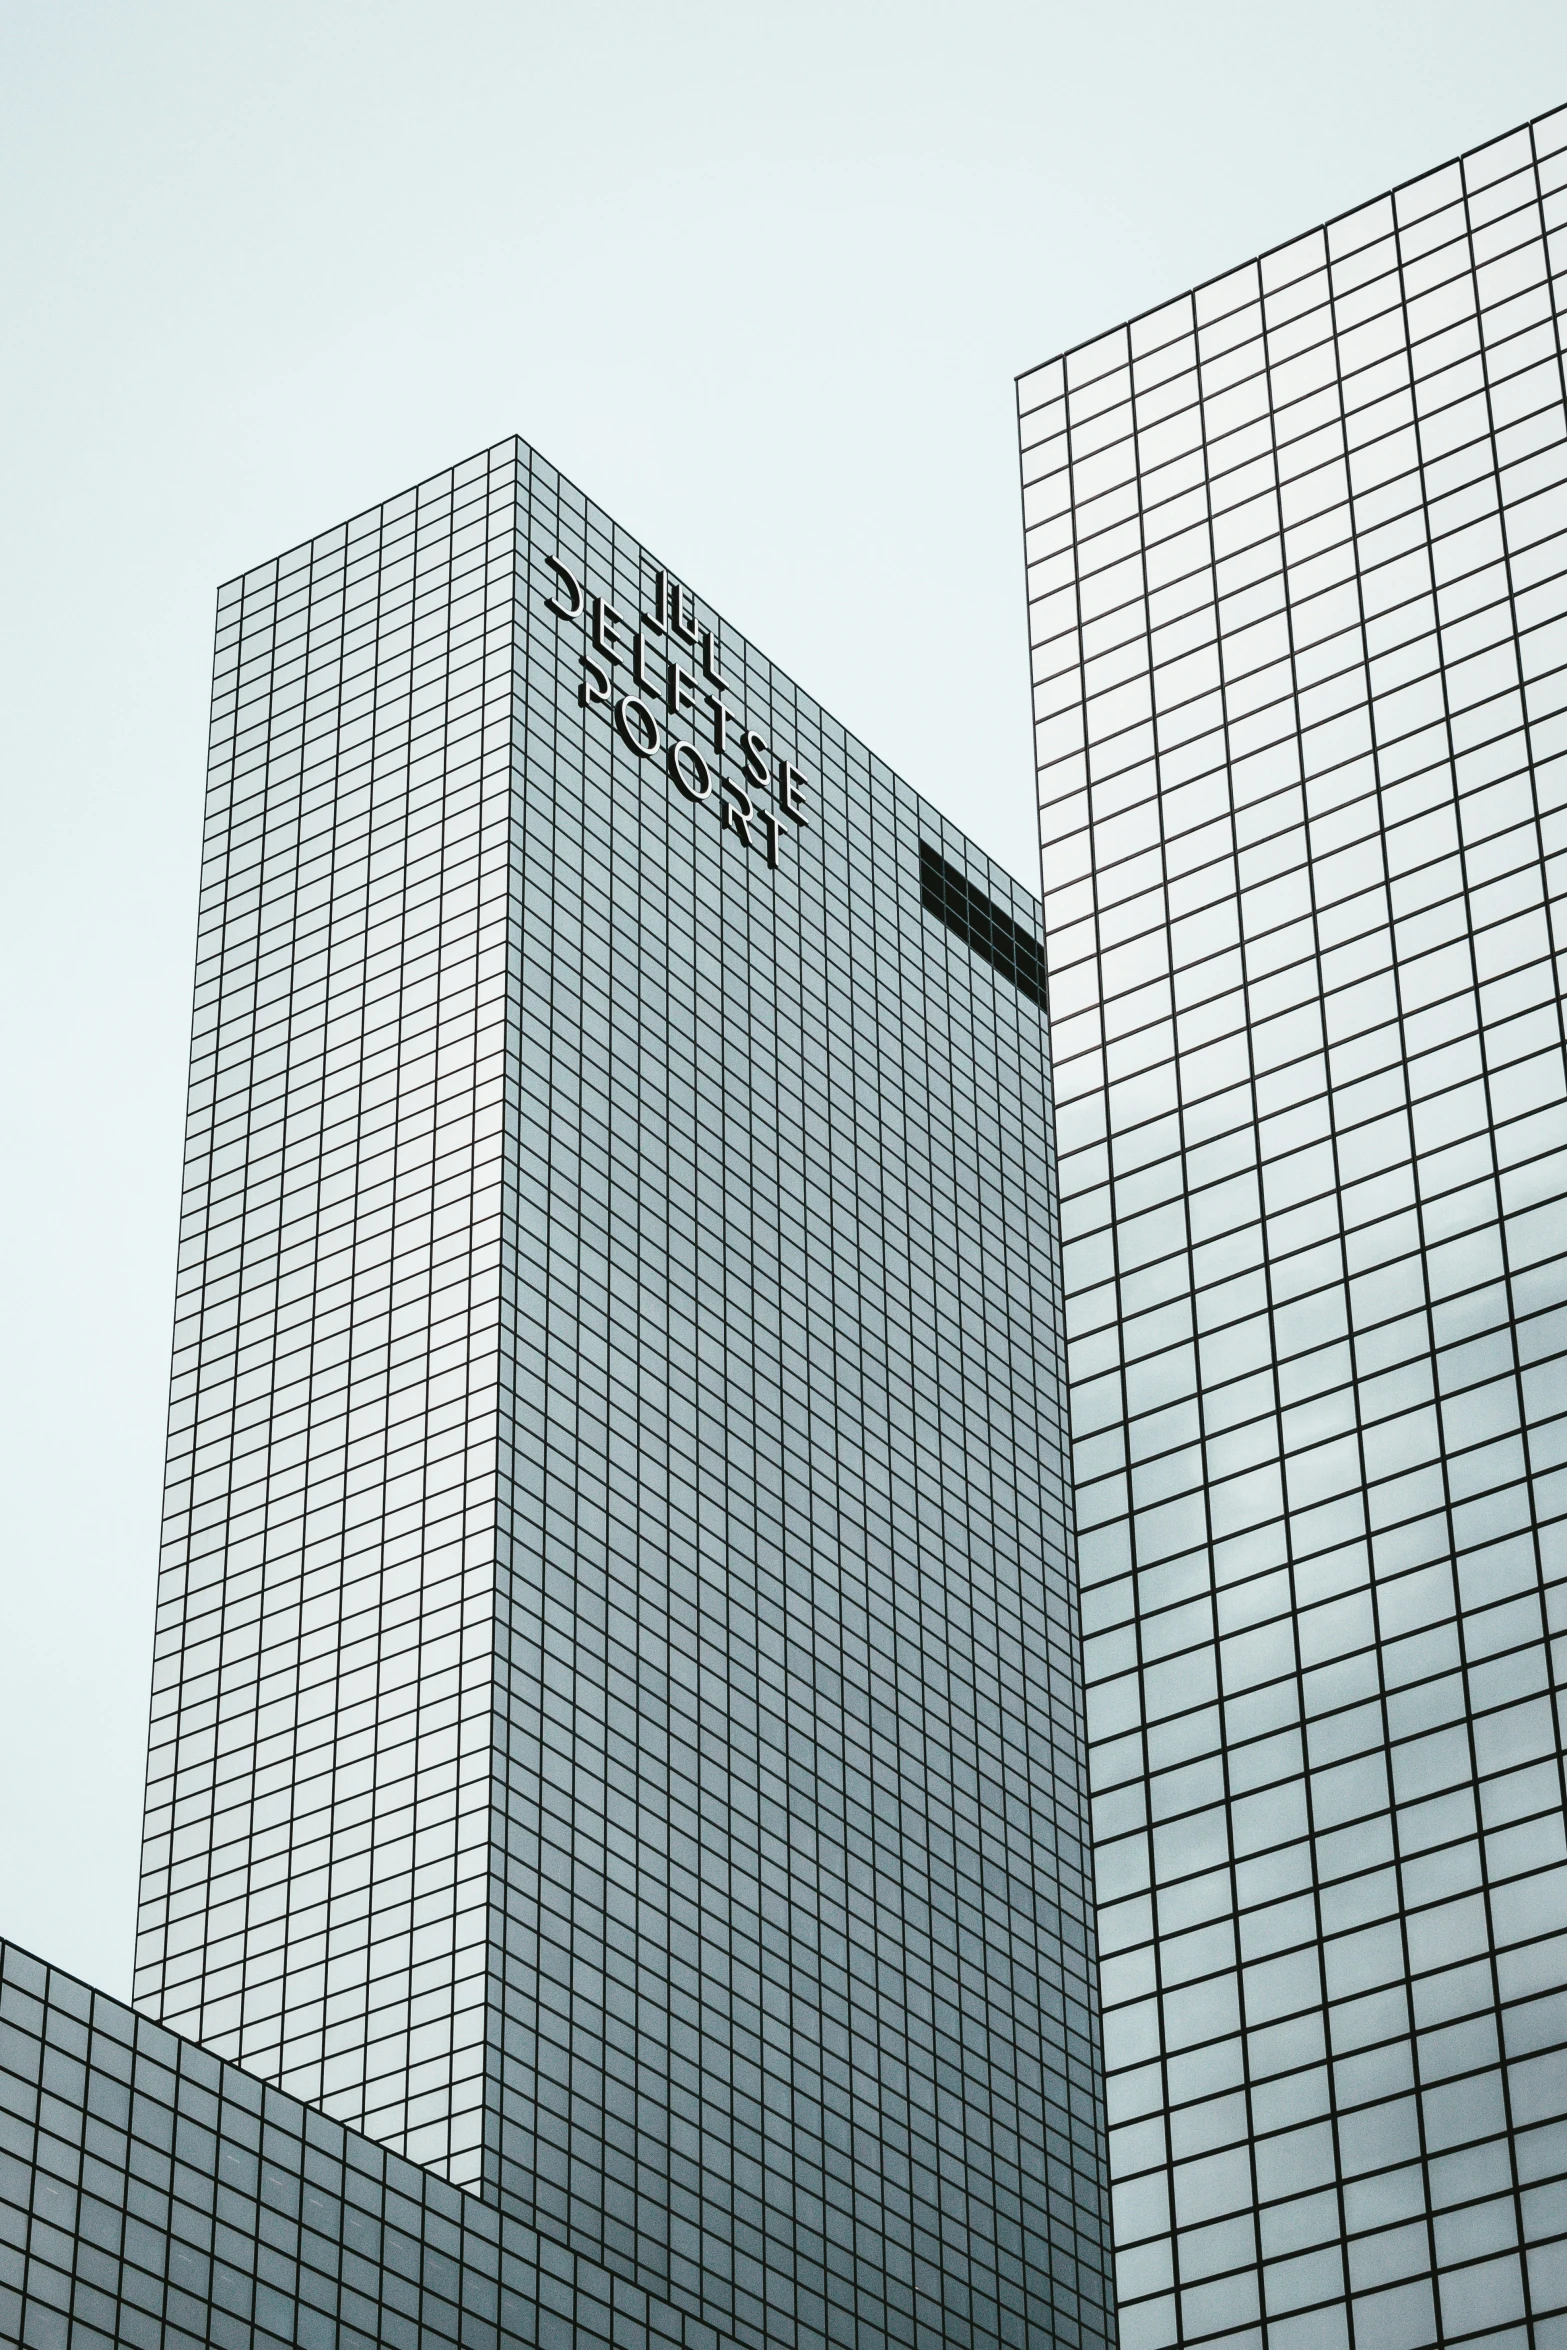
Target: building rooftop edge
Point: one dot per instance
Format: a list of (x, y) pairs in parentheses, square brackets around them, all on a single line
[(1320, 228), (949, 830)]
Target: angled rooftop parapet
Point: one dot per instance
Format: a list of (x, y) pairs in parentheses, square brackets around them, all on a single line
[(156, 2198)]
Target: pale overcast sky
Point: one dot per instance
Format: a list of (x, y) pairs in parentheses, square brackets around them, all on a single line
[(758, 278)]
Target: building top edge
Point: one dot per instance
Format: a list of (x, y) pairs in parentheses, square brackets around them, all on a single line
[(943, 830), (508, 444), (1530, 129)]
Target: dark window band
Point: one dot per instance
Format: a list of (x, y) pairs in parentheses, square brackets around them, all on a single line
[(946, 892)]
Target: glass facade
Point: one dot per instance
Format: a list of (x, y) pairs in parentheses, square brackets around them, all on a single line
[(156, 2197), (316, 1863), (617, 1723), (1297, 568)]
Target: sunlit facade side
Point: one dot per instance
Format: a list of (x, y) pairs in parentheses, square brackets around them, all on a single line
[(1297, 574), (315, 1869)]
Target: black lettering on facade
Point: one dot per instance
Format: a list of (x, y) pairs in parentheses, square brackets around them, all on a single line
[(720, 725), (664, 684), (639, 731), (790, 783), (737, 808), (573, 587), (607, 625), (648, 680), (695, 777)]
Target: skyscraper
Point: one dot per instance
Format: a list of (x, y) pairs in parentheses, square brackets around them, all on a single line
[(617, 1724), (1297, 570)]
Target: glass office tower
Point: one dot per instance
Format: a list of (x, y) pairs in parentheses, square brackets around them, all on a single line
[(1297, 568), (617, 1719)]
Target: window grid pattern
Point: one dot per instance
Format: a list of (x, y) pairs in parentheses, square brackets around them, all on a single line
[(629, 1755), (793, 2018), (1297, 566), (967, 910), (316, 1861), (154, 2197)]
